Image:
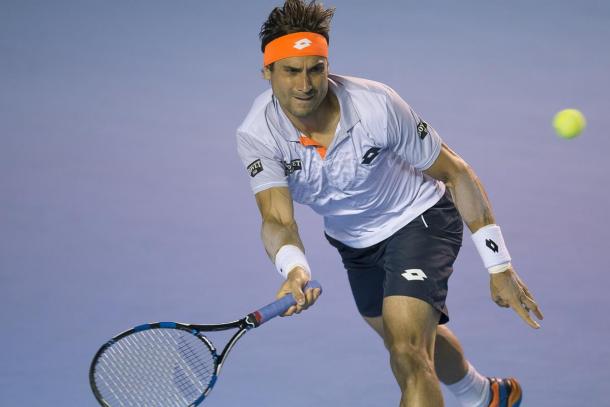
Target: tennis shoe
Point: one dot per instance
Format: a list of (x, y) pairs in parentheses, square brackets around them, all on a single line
[(505, 392)]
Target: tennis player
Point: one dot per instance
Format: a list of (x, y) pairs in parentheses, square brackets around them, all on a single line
[(393, 196)]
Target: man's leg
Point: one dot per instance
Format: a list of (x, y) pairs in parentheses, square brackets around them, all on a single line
[(410, 331), (469, 386), (449, 361)]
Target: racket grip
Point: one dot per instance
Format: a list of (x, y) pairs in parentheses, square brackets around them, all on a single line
[(278, 307)]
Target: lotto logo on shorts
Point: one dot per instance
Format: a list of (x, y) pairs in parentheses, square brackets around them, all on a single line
[(302, 43), (414, 274)]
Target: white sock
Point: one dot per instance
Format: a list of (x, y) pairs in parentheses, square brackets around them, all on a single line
[(472, 390)]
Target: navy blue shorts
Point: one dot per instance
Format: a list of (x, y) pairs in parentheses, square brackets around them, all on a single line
[(416, 261)]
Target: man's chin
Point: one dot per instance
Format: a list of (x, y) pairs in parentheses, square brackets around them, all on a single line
[(302, 112)]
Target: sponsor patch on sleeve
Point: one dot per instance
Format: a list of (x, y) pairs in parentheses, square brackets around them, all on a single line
[(422, 129), (255, 167)]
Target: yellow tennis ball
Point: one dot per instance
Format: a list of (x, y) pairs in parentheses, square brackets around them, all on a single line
[(569, 123)]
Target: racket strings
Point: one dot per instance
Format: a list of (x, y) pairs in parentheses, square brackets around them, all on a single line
[(197, 368), (155, 368)]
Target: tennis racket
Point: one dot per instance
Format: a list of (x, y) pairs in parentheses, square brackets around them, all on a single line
[(168, 364)]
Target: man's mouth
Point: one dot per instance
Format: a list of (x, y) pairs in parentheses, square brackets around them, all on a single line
[(304, 98)]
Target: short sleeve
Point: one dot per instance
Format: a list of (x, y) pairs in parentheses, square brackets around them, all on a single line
[(409, 136), (263, 163)]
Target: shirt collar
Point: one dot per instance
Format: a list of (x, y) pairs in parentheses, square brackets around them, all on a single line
[(349, 114)]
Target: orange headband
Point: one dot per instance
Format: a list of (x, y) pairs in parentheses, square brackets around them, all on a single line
[(299, 44)]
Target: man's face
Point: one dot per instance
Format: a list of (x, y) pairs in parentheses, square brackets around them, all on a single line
[(299, 83)]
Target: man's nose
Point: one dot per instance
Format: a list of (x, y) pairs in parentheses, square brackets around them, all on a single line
[(305, 83)]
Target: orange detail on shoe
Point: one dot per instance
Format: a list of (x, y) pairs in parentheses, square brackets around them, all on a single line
[(300, 44), (495, 395), (515, 394), (306, 141)]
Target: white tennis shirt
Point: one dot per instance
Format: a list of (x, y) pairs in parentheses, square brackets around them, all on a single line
[(369, 183)]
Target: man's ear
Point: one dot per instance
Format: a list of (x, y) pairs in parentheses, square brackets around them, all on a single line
[(267, 73)]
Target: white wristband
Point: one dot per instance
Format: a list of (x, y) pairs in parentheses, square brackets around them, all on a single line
[(289, 257), (491, 247), (500, 268)]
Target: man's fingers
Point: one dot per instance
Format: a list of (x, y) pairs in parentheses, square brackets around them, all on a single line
[(316, 294), (531, 305), (298, 295), (524, 314), (530, 302), (290, 311), (500, 302), (308, 298), (311, 295), (509, 291)]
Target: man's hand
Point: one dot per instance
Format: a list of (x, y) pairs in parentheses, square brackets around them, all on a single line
[(297, 279), (507, 290)]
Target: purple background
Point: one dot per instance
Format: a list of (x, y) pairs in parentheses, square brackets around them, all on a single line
[(122, 199)]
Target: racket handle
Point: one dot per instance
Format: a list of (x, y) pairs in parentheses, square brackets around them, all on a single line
[(278, 307)]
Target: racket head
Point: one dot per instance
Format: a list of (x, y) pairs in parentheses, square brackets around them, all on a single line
[(162, 364)]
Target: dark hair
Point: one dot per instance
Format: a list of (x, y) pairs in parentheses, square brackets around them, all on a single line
[(296, 16)]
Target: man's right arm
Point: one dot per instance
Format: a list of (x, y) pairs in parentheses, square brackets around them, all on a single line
[(279, 229)]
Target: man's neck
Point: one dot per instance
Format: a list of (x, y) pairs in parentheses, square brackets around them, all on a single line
[(323, 122)]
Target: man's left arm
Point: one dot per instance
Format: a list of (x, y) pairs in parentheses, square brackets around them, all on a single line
[(507, 289)]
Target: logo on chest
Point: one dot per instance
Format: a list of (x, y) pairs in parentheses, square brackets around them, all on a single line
[(292, 166), (370, 155)]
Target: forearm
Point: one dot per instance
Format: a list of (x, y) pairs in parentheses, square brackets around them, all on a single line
[(470, 198), (275, 235)]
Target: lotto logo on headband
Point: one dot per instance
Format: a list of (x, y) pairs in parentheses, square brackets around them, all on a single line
[(302, 43)]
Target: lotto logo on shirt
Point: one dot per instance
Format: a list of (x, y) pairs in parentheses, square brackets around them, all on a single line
[(292, 166), (370, 155), (255, 167), (422, 129)]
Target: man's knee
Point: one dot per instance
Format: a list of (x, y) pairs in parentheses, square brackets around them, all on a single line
[(410, 328), (411, 357)]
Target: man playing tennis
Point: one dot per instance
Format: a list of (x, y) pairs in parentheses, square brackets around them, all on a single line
[(393, 197)]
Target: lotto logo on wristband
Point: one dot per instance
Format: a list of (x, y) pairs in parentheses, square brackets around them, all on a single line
[(493, 246)]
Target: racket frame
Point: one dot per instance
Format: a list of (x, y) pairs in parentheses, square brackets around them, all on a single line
[(243, 325), (252, 320)]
